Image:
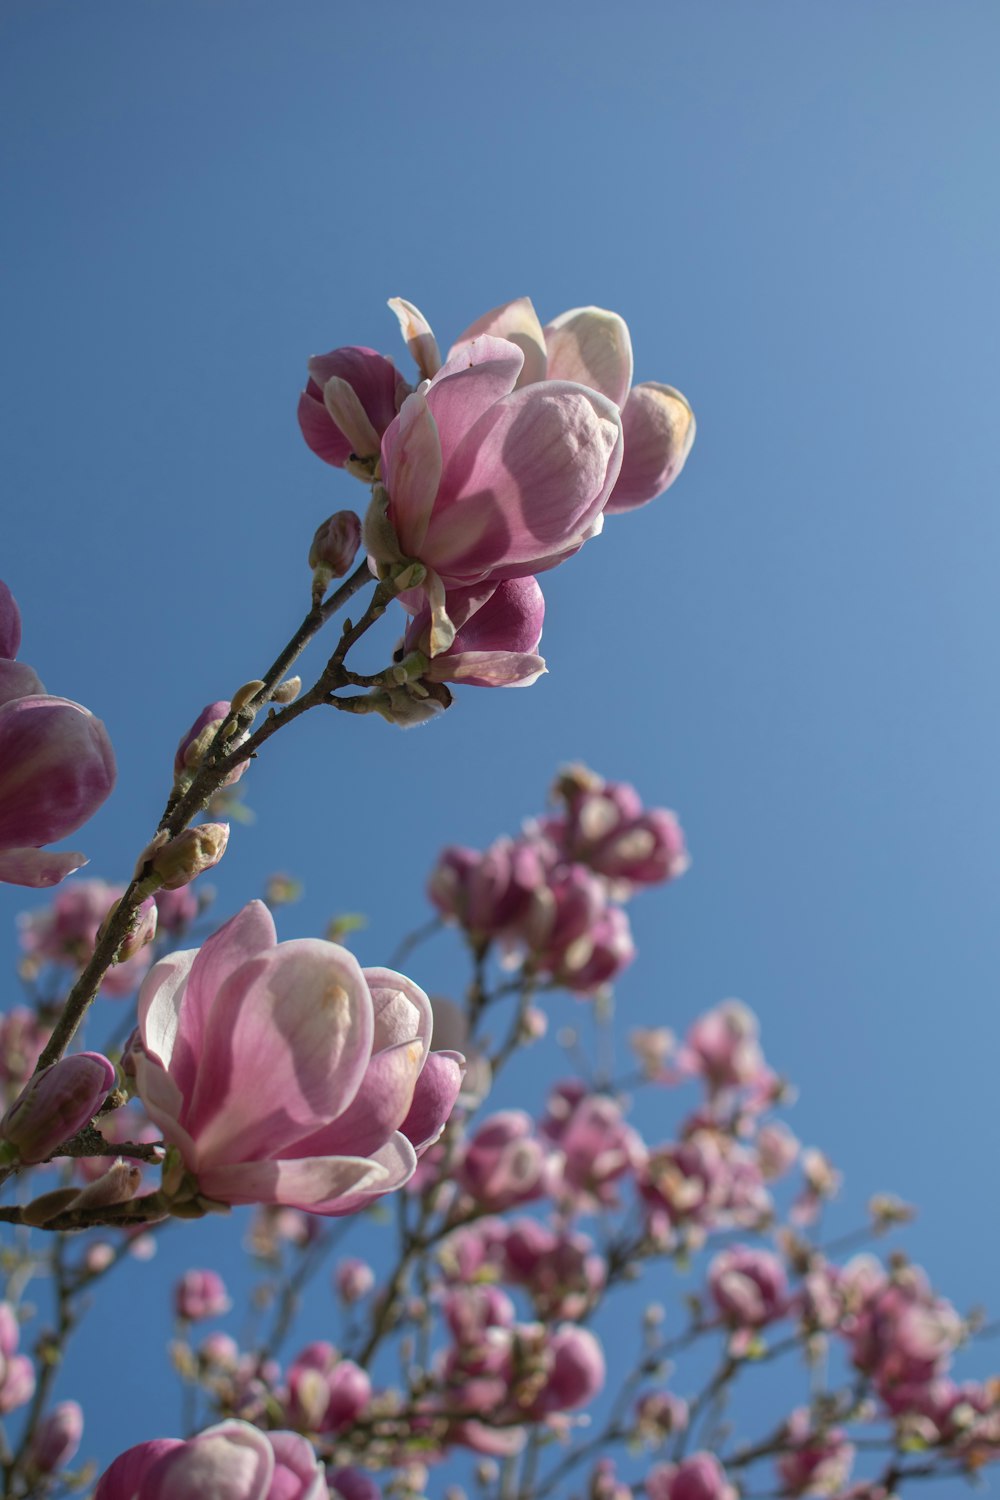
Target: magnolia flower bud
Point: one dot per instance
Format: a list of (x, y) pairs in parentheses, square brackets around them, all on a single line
[(189, 854), (119, 1184), (201, 1294), (57, 1103), (194, 745), (141, 931), (57, 1437), (333, 549)]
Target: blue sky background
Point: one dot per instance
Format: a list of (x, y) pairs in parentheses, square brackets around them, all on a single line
[(795, 207)]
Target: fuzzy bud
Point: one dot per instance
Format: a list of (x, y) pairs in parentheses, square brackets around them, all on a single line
[(142, 930), (181, 859)]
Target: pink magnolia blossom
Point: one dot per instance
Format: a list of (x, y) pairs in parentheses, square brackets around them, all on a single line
[(817, 1462), (17, 1373), (353, 1280), (66, 931), (748, 1286), (232, 1461), (497, 637), (56, 766), (504, 1163), (199, 1295), (591, 346), (722, 1047), (607, 828), (484, 482), (352, 396), (700, 1477), (325, 1393), (57, 1437), (598, 1148), (488, 893), (284, 1073)]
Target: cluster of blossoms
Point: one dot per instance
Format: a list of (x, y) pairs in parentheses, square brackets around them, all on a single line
[(553, 895), (499, 465), (286, 1076)]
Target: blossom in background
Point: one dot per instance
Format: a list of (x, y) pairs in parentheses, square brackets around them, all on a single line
[(284, 1073), (56, 766), (65, 932)]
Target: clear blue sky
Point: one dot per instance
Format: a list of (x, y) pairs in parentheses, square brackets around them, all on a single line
[(795, 207)]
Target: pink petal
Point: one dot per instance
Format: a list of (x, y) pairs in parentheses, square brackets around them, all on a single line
[(123, 1479), (396, 1160), (245, 936), (314, 1184), (164, 1104), (377, 1110), (434, 1098), (10, 623), (487, 668), (319, 429), (476, 377), (371, 376), (659, 427), (402, 1010), (527, 483), (592, 346), (37, 867), (232, 1461), (159, 1003), (518, 322), (419, 338), (56, 768), (285, 1047), (411, 469), (298, 1473), (18, 681)]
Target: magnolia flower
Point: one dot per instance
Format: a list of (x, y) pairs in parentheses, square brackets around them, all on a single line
[(284, 1073), (483, 482), (496, 640), (56, 768), (591, 346), (232, 1460)]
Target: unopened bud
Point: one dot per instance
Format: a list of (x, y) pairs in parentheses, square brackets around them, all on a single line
[(57, 1103), (57, 1437), (287, 691), (142, 930), (413, 704), (41, 1211), (333, 550), (189, 854), (194, 745), (118, 1184)]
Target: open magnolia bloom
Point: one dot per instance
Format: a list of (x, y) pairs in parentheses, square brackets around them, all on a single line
[(284, 1073), (56, 766), (484, 482), (591, 346)]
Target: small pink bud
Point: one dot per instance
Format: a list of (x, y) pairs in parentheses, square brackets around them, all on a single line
[(189, 854), (194, 745), (57, 1103), (201, 1294), (57, 1437), (353, 1279), (334, 548), (141, 932)]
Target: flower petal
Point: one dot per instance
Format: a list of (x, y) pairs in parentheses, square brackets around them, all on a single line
[(17, 680), (232, 1461), (285, 1046), (37, 867), (377, 1110), (476, 377), (314, 1184), (518, 322), (402, 1010), (527, 485), (56, 768), (397, 1160), (487, 668), (592, 346), (411, 469), (659, 428), (434, 1098), (10, 623), (419, 338)]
